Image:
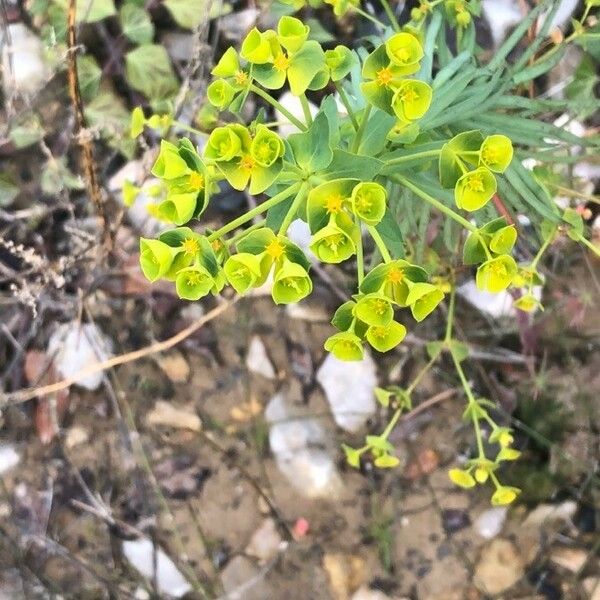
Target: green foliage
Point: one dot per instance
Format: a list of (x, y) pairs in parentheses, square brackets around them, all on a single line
[(408, 142)]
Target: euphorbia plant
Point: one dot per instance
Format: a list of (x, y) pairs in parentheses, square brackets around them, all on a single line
[(343, 173)]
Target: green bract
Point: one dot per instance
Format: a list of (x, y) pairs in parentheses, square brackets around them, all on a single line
[(220, 93), (496, 274), (242, 271), (474, 189), (193, 283), (374, 309), (423, 298), (369, 202), (496, 153), (461, 478), (411, 99), (385, 338), (257, 47), (334, 243), (345, 346), (292, 33), (405, 51), (291, 283), (339, 61), (156, 258)]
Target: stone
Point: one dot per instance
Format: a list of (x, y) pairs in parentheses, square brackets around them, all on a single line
[(302, 451), (168, 415), (592, 587), (349, 387), (174, 366), (490, 522), (265, 542), (571, 559), (257, 360), (241, 580), (500, 566), (346, 573), (544, 514), (23, 67), (9, 458), (74, 347), (293, 105), (143, 555)]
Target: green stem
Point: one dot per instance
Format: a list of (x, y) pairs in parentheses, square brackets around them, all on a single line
[(439, 205), (278, 106), (361, 130), (306, 109), (589, 244), (450, 318), (390, 15), (360, 260), (369, 17), (257, 210), (236, 238), (291, 213), (471, 398), (346, 102), (391, 424), (420, 375), (403, 159), (379, 243), (542, 249)]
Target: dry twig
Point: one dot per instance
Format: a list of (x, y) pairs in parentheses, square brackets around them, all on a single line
[(83, 137), (36, 392)]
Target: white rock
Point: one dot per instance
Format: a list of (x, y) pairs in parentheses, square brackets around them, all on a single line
[(500, 566), (169, 580), (548, 513), (23, 66), (496, 305), (293, 105), (257, 360), (265, 541), (237, 24), (501, 16), (9, 458), (307, 311), (349, 388), (490, 522), (74, 347), (302, 451), (299, 233)]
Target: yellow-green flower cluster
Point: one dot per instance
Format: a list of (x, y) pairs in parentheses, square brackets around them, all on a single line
[(335, 209), (468, 163), (460, 12), (386, 85), (261, 252), (187, 180), (245, 156), (480, 470), (185, 257), (370, 315)]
